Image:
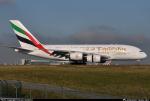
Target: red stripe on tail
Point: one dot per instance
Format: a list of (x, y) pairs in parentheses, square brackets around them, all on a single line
[(37, 44)]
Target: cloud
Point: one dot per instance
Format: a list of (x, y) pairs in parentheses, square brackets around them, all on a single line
[(96, 35), (5, 2)]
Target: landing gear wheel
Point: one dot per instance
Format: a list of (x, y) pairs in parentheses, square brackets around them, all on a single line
[(108, 63)]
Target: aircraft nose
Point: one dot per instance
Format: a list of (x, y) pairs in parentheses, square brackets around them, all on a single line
[(143, 55)]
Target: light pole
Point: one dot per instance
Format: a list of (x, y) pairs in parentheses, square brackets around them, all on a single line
[(16, 92), (17, 85)]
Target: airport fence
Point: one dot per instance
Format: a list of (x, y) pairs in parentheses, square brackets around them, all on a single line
[(10, 89), (19, 89)]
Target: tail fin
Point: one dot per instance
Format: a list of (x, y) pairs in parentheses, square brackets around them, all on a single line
[(26, 39)]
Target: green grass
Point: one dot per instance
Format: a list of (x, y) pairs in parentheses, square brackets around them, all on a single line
[(122, 81)]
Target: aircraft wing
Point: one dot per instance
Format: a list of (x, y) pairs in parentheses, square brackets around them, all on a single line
[(65, 53)]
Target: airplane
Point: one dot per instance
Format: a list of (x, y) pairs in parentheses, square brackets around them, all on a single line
[(78, 54)]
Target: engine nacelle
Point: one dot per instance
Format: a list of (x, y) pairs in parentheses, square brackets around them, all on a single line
[(96, 58), (76, 56), (89, 58)]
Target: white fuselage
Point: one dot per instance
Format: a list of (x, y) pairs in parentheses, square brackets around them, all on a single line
[(114, 52)]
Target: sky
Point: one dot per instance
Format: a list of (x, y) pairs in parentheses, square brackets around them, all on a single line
[(77, 22)]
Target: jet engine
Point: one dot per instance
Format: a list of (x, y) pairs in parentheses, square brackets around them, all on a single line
[(76, 56)]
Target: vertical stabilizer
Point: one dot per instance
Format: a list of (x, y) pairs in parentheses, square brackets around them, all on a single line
[(25, 38)]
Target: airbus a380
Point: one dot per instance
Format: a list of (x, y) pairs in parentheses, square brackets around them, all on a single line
[(73, 53)]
